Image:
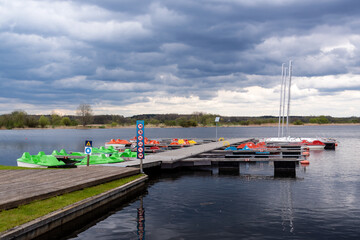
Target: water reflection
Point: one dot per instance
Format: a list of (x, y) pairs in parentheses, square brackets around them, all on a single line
[(287, 212), (141, 220)]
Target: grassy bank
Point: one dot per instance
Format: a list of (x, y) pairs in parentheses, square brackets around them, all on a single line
[(2, 167), (25, 213)]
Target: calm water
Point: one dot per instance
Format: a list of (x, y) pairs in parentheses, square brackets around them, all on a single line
[(322, 202)]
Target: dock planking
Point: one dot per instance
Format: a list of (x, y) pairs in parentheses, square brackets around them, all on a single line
[(23, 186), (173, 156), (242, 159)]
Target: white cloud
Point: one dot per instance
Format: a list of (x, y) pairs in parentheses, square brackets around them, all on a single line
[(330, 82), (82, 83), (221, 56), (8, 105), (254, 101), (174, 47), (116, 73), (161, 15), (64, 18)]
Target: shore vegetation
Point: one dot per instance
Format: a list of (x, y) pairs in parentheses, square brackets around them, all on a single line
[(85, 119)]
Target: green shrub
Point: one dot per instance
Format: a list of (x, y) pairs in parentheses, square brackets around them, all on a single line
[(170, 123), (44, 121), (32, 122), (65, 121), (298, 122)]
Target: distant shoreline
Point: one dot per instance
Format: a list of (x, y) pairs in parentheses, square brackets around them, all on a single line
[(103, 126)]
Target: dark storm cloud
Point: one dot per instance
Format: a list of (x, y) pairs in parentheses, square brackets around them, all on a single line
[(75, 50)]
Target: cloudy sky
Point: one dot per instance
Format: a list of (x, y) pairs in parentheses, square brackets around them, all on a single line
[(217, 56)]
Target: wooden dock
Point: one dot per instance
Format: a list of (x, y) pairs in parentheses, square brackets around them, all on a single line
[(23, 186), (20, 187), (172, 157), (213, 154)]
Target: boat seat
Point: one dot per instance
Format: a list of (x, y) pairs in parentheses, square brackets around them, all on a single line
[(55, 152), (41, 153), (63, 152)]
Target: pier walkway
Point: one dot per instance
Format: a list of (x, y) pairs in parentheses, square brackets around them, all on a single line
[(173, 156), (213, 154), (23, 186)]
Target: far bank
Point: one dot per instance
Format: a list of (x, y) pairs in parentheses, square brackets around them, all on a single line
[(102, 126)]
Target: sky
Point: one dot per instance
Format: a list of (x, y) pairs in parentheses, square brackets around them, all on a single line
[(224, 57)]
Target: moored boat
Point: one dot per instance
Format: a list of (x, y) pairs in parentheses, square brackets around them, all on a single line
[(311, 143), (101, 159), (62, 159), (118, 144), (39, 161)]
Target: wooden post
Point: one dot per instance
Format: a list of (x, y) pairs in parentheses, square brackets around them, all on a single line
[(88, 150)]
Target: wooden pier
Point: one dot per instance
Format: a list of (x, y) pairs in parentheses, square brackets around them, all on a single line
[(213, 154), (23, 186), (174, 156)]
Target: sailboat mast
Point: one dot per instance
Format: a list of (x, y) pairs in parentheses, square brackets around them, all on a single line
[(289, 95), (283, 102), (281, 97)]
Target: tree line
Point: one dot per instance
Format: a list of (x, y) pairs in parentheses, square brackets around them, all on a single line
[(20, 119), (84, 116)]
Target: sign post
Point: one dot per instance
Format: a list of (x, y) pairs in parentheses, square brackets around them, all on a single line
[(140, 141), (88, 150), (217, 119)]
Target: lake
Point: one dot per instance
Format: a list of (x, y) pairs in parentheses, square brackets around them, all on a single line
[(322, 202)]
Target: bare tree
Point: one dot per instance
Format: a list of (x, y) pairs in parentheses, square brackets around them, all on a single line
[(85, 114)]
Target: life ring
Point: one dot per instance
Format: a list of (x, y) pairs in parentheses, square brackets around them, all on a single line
[(226, 143), (221, 139)]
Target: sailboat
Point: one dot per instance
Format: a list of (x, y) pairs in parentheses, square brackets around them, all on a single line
[(285, 97)]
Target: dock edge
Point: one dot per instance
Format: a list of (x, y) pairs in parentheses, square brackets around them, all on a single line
[(55, 219)]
